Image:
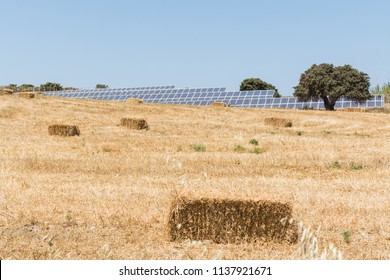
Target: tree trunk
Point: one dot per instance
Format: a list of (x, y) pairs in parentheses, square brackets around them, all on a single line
[(329, 105)]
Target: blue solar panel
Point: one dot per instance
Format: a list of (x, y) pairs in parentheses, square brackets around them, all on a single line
[(205, 96)]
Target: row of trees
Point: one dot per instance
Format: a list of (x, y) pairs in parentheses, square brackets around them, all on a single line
[(323, 81), (44, 87)]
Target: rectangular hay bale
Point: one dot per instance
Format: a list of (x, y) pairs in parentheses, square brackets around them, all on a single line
[(135, 101), (229, 221), (278, 122), (134, 123), (219, 104), (27, 95), (64, 130), (6, 91)]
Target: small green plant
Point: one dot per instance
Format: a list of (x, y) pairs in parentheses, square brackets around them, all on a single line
[(336, 165), (198, 148), (254, 142), (257, 150), (327, 132), (299, 133), (239, 148), (361, 134), (357, 166), (347, 236)]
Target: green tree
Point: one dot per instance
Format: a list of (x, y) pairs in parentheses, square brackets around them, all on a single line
[(26, 86), (12, 86), (101, 86), (50, 87), (329, 83), (258, 84), (385, 90)]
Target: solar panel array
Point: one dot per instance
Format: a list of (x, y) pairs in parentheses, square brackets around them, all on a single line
[(206, 96)]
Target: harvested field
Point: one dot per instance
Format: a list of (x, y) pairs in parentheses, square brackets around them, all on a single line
[(278, 122), (107, 194), (134, 123), (230, 221), (64, 130)]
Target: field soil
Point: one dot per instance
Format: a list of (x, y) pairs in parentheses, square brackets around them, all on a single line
[(107, 193)]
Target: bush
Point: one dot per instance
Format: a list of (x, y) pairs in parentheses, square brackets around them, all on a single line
[(254, 142)]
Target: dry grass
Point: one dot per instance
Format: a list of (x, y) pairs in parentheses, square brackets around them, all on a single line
[(107, 193), (278, 122)]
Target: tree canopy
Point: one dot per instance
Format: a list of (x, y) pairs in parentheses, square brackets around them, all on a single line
[(50, 87), (330, 83), (258, 84), (101, 86)]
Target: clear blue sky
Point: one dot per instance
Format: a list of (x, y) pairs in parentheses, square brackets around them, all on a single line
[(189, 43)]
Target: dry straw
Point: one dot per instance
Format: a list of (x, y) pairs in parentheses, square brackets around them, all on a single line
[(64, 130), (229, 221), (352, 109), (278, 122), (6, 91), (27, 95), (219, 104), (134, 123), (135, 101)]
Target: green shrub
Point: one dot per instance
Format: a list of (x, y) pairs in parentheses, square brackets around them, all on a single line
[(254, 142)]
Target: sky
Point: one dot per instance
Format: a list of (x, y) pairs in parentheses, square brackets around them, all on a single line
[(199, 43)]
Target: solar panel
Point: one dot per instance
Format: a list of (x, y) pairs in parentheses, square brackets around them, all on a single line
[(205, 96)]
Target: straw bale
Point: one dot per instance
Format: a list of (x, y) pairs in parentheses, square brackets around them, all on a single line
[(64, 130), (363, 109), (5, 91), (135, 101), (134, 123), (26, 95), (229, 221), (219, 104), (352, 109), (375, 110), (278, 122)]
